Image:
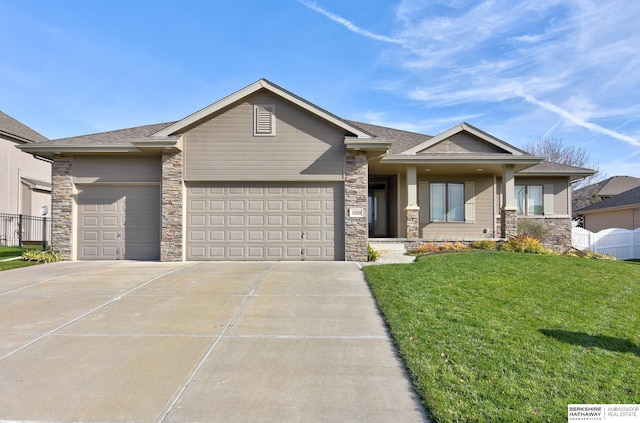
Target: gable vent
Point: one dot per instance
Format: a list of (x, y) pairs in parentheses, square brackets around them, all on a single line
[(264, 119)]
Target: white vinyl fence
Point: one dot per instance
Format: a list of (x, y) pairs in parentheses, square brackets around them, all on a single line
[(623, 244)]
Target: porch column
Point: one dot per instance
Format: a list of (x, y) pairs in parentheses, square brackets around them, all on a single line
[(62, 207), (412, 210), (509, 212), (356, 232), (171, 194)]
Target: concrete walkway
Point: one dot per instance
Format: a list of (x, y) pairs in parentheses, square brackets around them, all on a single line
[(197, 342)]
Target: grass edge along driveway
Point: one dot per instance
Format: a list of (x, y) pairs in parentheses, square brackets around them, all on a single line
[(495, 336), (7, 254)]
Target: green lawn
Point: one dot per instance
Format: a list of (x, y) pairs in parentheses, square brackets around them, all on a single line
[(495, 336), (9, 252)]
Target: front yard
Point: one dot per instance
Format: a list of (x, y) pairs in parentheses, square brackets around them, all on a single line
[(6, 256), (496, 336)]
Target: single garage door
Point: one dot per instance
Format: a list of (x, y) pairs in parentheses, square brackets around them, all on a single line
[(265, 221), (118, 222)]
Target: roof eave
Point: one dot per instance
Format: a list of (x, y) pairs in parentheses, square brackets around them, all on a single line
[(611, 208), (415, 159), (367, 144), (51, 151), (156, 143), (573, 176)]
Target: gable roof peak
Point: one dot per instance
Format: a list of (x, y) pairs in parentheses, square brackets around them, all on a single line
[(466, 127), (260, 84)]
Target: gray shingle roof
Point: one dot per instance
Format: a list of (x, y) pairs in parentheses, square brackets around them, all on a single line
[(550, 167), (402, 140), (119, 136), (628, 198), (9, 127), (617, 185)]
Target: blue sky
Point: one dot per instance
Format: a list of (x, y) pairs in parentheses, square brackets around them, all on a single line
[(520, 70)]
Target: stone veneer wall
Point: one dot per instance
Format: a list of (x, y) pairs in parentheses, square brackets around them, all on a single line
[(355, 197), (62, 206), (171, 238), (559, 236)]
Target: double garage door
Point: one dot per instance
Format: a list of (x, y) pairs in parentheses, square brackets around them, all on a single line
[(118, 222), (265, 221)]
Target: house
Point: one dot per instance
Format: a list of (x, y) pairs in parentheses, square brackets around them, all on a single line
[(619, 211), (602, 190), (25, 186), (266, 175)]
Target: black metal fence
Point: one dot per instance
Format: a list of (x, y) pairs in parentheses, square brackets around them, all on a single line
[(19, 230)]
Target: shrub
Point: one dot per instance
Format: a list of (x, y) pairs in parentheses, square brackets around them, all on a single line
[(426, 249), (588, 254), (372, 254), (430, 248), (485, 244), (459, 246), (524, 244), (533, 229), (40, 256)]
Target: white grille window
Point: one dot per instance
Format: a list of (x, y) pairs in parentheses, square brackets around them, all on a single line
[(264, 119)]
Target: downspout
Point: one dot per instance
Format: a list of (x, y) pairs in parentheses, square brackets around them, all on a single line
[(19, 190)]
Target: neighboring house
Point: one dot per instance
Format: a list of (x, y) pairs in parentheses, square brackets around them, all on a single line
[(620, 211), (602, 190), (25, 184), (265, 175)]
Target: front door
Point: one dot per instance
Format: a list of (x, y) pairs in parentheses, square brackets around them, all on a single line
[(378, 222)]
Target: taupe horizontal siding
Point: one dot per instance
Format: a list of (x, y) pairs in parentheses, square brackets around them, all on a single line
[(116, 168), (596, 222), (484, 213), (225, 149)]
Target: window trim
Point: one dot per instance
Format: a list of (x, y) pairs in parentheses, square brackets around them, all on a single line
[(447, 211), (525, 207)]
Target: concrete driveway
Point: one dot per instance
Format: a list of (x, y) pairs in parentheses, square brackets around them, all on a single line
[(197, 342)]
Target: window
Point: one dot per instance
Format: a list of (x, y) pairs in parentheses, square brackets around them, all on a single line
[(264, 122), (446, 202), (529, 200)]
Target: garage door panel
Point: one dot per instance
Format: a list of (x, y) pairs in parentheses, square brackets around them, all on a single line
[(265, 221), (235, 220), (118, 222), (216, 220)]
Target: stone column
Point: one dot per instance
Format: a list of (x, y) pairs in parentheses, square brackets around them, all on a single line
[(509, 212), (62, 207), (356, 236), (413, 222), (412, 210), (509, 223), (171, 193)]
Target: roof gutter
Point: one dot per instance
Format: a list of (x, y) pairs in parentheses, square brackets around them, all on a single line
[(47, 150)]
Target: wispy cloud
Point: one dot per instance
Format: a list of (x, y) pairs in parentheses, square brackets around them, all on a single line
[(349, 25), (571, 117), (574, 58)]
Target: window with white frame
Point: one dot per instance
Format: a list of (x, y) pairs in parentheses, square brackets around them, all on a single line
[(446, 202), (529, 200), (264, 119)]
